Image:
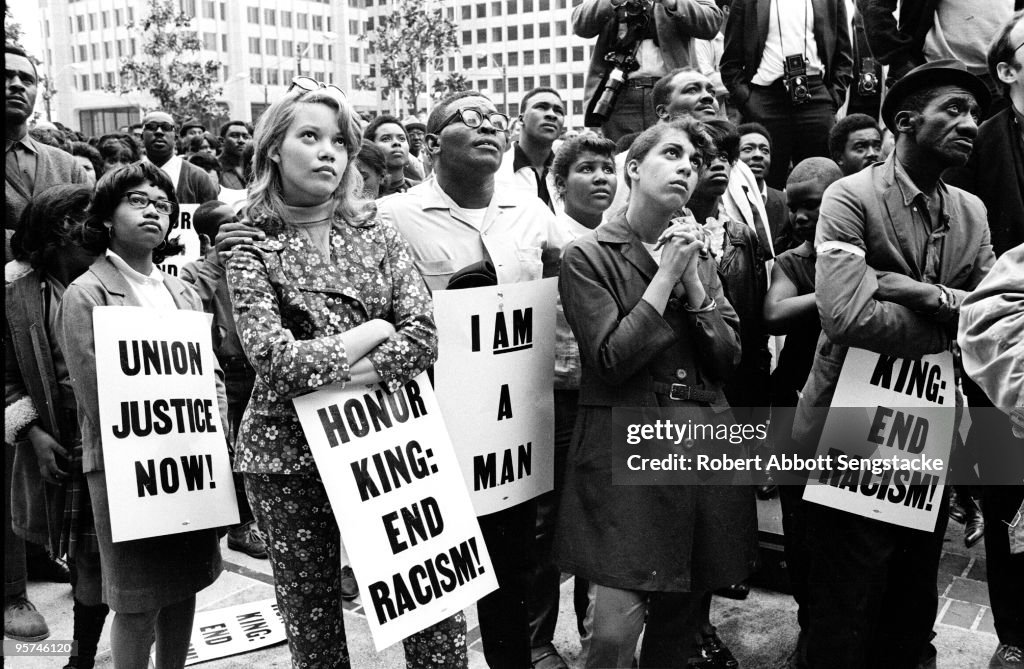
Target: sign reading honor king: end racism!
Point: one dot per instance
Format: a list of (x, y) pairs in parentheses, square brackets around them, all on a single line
[(164, 449), (494, 378), (390, 473)]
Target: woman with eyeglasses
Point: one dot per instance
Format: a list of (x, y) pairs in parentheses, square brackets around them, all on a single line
[(150, 584), (654, 330), (329, 295), (49, 503)]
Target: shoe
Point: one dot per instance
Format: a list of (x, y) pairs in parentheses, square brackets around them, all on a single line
[(974, 527), (737, 591), (349, 586), (546, 657), (247, 539), (22, 622), (717, 652), (49, 568), (1007, 657)]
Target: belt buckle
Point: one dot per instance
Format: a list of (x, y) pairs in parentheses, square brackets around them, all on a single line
[(679, 391)]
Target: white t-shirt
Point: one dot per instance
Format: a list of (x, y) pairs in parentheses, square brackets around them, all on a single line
[(797, 37)]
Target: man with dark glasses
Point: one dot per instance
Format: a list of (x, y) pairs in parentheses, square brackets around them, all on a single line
[(458, 220), (191, 184)]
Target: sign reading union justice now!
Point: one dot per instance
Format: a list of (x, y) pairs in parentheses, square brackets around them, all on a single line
[(164, 449), (405, 516)]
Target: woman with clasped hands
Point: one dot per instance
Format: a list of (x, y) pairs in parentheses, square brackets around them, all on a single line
[(654, 330), (329, 295)]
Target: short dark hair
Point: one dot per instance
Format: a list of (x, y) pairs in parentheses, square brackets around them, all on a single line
[(439, 113), (660, 92), (195, 144), (370, 132), (110, 189), (83, 149), (119, 147), (1002, 51), (41, 228), (224, 127), (571, 149), (754, 127), (372, 156), (626, 141), (17, 50), (202, 221), (725, 137), (51, 137), (537, 91), (649, 138), (205, 161), (845, 126)]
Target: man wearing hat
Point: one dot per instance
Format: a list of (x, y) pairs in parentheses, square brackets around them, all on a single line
[(191, 184), (189, 129), (415, 130), (897, 251)]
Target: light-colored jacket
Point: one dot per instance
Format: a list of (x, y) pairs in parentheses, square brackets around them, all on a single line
[(103, 285)]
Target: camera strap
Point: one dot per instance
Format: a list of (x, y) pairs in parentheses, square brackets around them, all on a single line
[(633, 28), (778, 21)]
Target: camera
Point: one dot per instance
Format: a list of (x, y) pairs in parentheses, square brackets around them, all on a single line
[(795, 79), (633, 17), (867, 80)]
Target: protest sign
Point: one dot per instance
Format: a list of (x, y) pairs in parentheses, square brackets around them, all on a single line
[(494, 379), (389, 470), (889, 453), (186, 234), (233, 630), (164, 450)]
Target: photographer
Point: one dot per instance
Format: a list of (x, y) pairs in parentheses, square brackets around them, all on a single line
[(789, 73), (638, 42)]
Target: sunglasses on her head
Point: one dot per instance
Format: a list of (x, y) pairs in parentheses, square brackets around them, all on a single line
[(310, 84)]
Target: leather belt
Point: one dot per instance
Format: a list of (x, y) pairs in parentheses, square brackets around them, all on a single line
[(681, 391), (641, 82)]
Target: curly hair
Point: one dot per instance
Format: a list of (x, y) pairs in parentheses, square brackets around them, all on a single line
[(53, 220), (90, 153), (110, 189)]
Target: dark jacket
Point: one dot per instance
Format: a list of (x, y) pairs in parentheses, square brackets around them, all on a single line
[(667, 538), (747, 32), (30, 393), (778, 215), (995, 173), (53, 168), (194, 185), (901, 45)]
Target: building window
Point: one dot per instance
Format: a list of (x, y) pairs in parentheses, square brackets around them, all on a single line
[(85, 82), (496, 8), (481, 84), (544, 29), (577, 54), (95, 51), (561, 55), (271, 47), (209, 11), (510, 6), (110, 79), (513, 85), (118, 16), (287, 48), (527, 6), (561, 82), (451, 63), (286, 19), (560, 28), (498, 86), (131, 14), (467, 12), (224, 42), (577, 80), (545, 57), (481, 36), (353, 54), (253, 14), (287, 76), (80, 20), (355, 81), (543, 5), (495, 34), (467, 36), (210, 41), (97, 81), (255, 75), (513, 59), (303, 22), (254, 45), (369, 24), (223, 11), (513, 33), (528, 59), (318, 22), (467, 62), (481, 10), (118, 47), (92, 22), (330, 52), (273, 77), (577, 107), (318, 51), (513, 109), (106, 49), (353, 27), (528, 83), (270, 17), (528, 31), (105, 19), (545, 81)]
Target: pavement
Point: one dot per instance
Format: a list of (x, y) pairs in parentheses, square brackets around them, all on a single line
[(761, 631)]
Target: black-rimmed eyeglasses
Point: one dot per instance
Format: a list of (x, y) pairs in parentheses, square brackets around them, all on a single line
[(139, 200), (474, 118), (311, 84)]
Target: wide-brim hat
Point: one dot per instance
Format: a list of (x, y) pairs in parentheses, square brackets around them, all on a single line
[(414, 124), (936, 73), (190, 123)]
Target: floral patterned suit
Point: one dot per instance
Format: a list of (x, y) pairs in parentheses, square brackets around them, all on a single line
[(292, 306)]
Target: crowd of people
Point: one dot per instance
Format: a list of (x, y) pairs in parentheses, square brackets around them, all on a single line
[(704, 220)]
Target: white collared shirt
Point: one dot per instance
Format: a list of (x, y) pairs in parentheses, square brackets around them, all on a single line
[(149, 290), (172, 168), (796, 38)]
